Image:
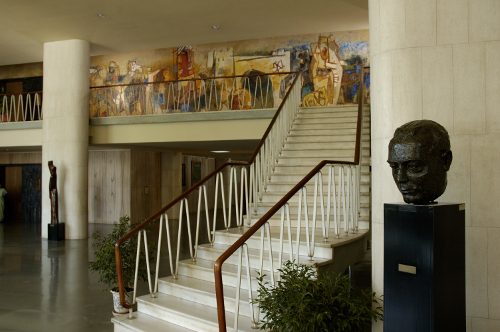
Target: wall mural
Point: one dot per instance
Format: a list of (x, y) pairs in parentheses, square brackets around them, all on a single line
[(331, 64)]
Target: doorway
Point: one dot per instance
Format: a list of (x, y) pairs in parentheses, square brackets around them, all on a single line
[(23, 184)]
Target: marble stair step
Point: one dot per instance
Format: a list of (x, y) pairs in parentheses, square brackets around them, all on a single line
[(324, 154), (322, 251), (208, 252), (330, 126), (204, 269), (328, 109), (187, 314), (297, 177), (203, 292), (273, 197), (325, 138), (285, 187), (145, 323)]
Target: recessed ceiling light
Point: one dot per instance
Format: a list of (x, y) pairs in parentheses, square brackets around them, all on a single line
[(220, 151), (101, 15), (215, 27)]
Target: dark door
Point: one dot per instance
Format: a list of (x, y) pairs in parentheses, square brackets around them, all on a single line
[(31, 193), (13, 185)]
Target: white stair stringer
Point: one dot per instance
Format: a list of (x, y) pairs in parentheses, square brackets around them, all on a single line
[(188, 303)]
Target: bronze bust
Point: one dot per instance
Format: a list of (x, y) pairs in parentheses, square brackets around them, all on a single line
[(420, 156)]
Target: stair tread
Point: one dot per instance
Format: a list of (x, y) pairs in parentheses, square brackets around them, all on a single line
[(185, 308), (255, 253), (201, 286), (275, 232), (146, 323)]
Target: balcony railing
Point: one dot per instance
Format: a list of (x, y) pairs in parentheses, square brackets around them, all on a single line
[(242, 92), (21, 107)]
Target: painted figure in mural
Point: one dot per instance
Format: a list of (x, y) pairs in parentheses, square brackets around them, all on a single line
[(185, 71), (326, 70), (134, 94), (301, 63), (316, 98), (54, 200), (3, 192), (420, 156)]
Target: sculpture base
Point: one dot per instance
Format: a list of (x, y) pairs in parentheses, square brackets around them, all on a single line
[(56, 232), (424, 267)]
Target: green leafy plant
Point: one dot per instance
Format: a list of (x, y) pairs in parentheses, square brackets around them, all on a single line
[(105, 263), (306, 300)]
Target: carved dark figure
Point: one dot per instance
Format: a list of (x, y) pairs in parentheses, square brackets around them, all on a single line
[(54, 202), (420, 156)]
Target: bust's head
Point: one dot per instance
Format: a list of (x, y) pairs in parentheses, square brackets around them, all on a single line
[(420, 156)]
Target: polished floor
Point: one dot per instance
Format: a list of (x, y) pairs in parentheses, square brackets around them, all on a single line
[(46, 286)]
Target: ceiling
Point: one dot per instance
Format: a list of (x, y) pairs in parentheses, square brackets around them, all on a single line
[(132, 25)]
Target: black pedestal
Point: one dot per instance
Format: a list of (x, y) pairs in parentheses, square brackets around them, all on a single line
[(56, 232), (424, 267)]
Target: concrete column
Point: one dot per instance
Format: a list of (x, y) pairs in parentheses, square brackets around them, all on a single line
[(65, 132), (438, 60)]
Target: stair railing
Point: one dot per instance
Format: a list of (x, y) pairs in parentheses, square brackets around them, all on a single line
[(239, 92), (342, 193), (21, 107), (268, 148)]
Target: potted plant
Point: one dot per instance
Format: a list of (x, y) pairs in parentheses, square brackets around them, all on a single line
[(309, 300), (105, 263)]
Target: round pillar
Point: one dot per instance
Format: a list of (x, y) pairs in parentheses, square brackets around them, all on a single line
[(65, 132)]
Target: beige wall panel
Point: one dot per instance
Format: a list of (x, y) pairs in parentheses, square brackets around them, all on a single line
[(437, 85), (392, 24), (452, 22), (484, 22), (420, 25), (381, 95), (458, 189), (476, 274), (485, 325), (485, 180), (24, 138), (493, 87), (382, 182), (407, 86), (179, 131), (494, 273), (469, 88)]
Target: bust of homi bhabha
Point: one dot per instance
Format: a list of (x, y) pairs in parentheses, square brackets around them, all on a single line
[(420, 156)]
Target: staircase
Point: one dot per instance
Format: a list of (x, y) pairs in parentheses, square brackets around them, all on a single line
[(188, 303)]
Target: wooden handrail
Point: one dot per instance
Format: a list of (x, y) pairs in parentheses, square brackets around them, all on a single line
[(190, 79), (219, 290)]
